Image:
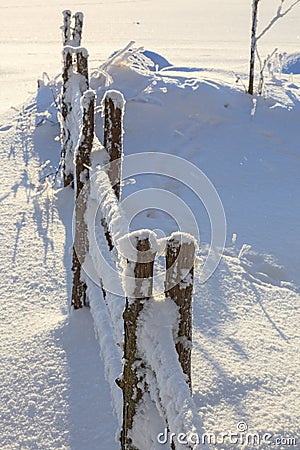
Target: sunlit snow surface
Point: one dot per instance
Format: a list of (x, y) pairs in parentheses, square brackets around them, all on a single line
[(246, 339), (193, 33)]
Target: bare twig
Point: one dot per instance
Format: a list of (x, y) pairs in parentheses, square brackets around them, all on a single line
[(278, 16), (262, 66)]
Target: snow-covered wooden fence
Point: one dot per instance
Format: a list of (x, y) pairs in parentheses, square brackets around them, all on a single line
[(152, 336), (155, 334), (156, 340)]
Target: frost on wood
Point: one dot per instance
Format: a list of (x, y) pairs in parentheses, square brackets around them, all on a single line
[(77, 31), (156, 345), (72, 38), (75, 82), (113, 106), (82, 162), (116, 97), (128, 251), (134, 384), (66, 27), (256, 37), (127, 244), (180, 257), (67, 143), (82, 65)]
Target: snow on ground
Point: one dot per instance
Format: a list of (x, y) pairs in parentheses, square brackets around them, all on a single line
[(245, 358), (245, 355), (49, 359), (194, 33)]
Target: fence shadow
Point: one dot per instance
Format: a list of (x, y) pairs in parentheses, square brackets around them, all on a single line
[(92, 424)]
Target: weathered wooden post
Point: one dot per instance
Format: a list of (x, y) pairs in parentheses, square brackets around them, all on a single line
[(73, 38), (82, 162), (68, 71), (65, 111), (113, 105), (133, 381), (77, 31), (180, 257), (82, 65), (66, 28)]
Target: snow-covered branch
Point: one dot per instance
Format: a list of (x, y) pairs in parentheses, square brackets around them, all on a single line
[(278, 16)]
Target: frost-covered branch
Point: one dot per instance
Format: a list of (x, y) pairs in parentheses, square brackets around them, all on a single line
[(262, 66), (255, 38), (278, 16)]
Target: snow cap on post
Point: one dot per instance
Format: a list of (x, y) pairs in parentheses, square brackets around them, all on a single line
[(67, 50), (180, 237), (71, 49), (116, 97), (81, 50), (127, 245), (138, 250), (87, 97)]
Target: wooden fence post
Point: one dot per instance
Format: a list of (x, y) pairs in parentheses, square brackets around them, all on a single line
[(77, 31), (82, 161), (65, 111), (180, 256), (133, 381), (67, 143), (82, 65), (113, 103), (66, 28), (73, 38)]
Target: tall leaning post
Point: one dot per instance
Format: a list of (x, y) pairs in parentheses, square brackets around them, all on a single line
[(82, 164), (180, 258), (113, 105), (133, 382)]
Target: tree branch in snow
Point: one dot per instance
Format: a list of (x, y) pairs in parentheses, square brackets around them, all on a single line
[(278, 16), (255, 38), (262, 66)]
